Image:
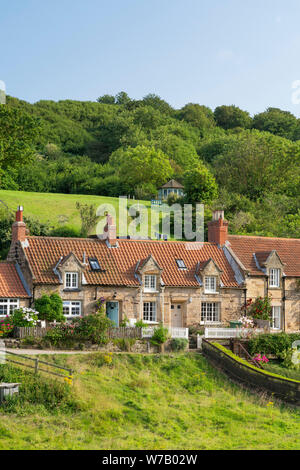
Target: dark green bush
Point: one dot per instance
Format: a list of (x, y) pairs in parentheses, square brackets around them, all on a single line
[(178, 344), (160, 335), (50, 307)]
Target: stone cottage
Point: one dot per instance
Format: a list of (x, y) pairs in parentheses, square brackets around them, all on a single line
[(177, 283)]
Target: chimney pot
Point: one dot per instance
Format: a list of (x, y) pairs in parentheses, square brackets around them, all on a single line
[(19, 214), (218, 228), (110, 231)]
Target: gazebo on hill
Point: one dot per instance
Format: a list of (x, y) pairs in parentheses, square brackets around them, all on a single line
[(171, 186)]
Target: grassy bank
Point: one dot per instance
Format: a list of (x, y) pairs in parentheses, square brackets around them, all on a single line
[(57, 209), (128, 401)]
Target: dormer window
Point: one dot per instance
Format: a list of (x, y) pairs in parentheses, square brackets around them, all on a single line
[(210, 284), (274, 280), (150, 283), (71, 280), (94, 264), (180, 264)]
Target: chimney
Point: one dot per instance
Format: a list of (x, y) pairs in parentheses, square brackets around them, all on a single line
[(110, 231), (19, 231), (218, 228)]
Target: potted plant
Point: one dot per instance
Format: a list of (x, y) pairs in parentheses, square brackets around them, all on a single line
[(260, 310)]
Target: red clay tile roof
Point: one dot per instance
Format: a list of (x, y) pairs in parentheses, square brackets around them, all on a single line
[(10, 282), (119, 263), (288, 250)]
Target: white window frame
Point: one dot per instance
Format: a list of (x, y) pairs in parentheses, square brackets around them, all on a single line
[(210, 284), (71, 280), (274, 278), (10, 304), (70, 305), (210, 312), (276, 316), (150, 283), (149, 312), (181, 264)]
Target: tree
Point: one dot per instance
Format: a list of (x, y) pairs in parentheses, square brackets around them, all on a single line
[(50, 308), (18, 135), (230, 117), (276, 121), (199, 185), (141, 165), (259, 163), (88, 218), (157, 103), (122, 98), (106, 99), (199, 116)]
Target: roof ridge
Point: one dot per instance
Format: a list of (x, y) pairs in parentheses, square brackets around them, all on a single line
[(122, 240), (261, 236)]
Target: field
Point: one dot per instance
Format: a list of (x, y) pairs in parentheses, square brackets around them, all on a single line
[(131, 401), (57, 209)]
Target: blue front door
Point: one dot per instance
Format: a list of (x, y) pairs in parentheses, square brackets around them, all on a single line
[(112, 311)]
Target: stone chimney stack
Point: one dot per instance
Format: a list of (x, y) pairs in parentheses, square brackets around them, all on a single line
[(110, 231), (218, 228), (19, 231)]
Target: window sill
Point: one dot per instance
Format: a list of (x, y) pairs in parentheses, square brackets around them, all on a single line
[(209, 323), (71, 289), (146, 291), (211, 292), (151, 322)]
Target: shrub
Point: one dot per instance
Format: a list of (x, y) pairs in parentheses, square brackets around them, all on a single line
[(124, 322), (6, 327), (276, 344), (125, 344), (196, 330), (141, 324), (93, 328), (178, 344), (50, 308), (160, 335), (260, 309), (24, 317)]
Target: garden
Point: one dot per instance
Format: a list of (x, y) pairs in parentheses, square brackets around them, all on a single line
[(92, 332)]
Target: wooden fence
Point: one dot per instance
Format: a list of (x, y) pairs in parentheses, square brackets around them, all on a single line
[(125, 332), (35, 364), (26, 331), (37, 332)]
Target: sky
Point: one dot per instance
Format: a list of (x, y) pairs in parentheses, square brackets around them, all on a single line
[(212, 52)]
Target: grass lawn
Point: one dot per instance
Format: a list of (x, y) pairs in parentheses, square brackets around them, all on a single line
[(148, 402), (57, 209)]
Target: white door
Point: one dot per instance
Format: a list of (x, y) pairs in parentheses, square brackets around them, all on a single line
[(176, 315)]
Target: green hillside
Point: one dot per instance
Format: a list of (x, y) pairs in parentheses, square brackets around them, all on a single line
[(130, 401), (56, 209)]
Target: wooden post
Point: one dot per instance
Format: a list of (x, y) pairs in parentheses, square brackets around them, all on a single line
[(36, 368)]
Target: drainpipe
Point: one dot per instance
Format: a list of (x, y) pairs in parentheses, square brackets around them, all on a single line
[(32, 298), (283, 302), (141, 302), (163, 305), (245, 297)]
